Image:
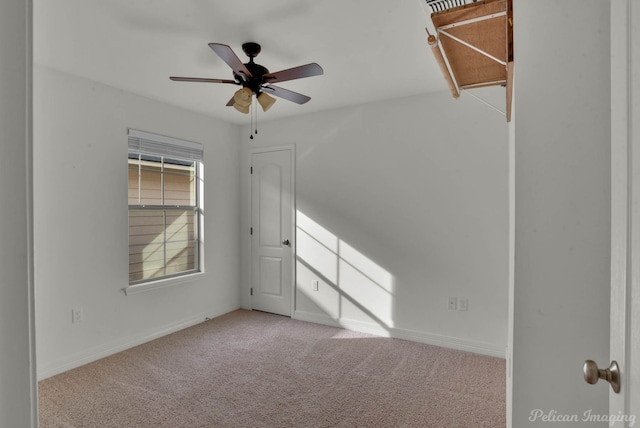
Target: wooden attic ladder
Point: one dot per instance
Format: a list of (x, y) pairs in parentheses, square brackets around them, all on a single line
[(473, 45)]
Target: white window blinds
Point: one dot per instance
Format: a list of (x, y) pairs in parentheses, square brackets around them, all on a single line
[(160, 145)]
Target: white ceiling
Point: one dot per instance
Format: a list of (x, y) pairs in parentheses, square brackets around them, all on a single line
[(369, 49)]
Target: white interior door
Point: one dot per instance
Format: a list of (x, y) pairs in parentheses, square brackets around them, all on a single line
[(625, 215), (272, 236)]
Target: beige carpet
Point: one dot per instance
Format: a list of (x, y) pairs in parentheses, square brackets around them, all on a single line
[(251, 369)]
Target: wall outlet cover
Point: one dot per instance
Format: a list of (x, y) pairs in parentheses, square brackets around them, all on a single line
[(453, 303)]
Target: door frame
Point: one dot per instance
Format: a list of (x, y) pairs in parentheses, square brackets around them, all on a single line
[(625, 209), (292, 153)]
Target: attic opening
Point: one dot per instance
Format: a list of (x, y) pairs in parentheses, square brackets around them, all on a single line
[(473, 44)]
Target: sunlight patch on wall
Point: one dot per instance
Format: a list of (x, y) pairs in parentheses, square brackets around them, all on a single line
[(353, 287)]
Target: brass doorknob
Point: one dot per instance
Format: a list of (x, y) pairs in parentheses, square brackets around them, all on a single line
[(592, 374)]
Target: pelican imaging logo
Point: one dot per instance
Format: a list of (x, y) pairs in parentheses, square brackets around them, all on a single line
[(588, 416)]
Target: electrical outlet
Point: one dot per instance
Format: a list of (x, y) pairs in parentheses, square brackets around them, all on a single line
[(314, 284), (76, 315), (463, 304), (453, 303)]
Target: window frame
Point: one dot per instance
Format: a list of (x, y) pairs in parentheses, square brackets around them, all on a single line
[(164, 150)]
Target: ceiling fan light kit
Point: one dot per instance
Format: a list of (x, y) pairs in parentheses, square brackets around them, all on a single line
[(256, 79), (265, 101)]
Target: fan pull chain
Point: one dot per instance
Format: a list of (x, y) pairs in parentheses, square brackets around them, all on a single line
[(255, 103), (254, 112), (251, 122)]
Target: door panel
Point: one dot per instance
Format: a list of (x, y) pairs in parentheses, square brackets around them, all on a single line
[(272, 240), (269, 180), (270, 276)]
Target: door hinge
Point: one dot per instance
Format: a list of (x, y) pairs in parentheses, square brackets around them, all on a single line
[(251, 170), (251, 231), (252, 291)]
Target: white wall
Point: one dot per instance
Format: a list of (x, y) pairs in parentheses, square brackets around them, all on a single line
[(562, 217), (18, 401), (81, 254), (403, 203)]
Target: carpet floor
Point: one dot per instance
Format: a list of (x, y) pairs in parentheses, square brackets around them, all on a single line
[(252, 369)]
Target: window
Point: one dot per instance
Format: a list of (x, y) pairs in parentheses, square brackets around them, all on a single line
[(165, 207)]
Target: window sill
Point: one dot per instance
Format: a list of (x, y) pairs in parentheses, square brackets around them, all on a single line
[(162, 283)]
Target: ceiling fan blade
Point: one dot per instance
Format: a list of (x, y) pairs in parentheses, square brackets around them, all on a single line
[(299, 72), (201, 79), (231, 102), (227, 55), (286, 94)]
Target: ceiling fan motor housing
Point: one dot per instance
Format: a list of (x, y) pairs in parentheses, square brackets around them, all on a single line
[(252, 49), (255, 81)]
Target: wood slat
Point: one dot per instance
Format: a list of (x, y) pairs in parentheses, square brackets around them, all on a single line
[(509, 90)]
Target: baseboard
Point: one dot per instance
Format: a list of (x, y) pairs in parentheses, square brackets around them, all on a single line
[(97, 352), (476, 347), (92, 354)]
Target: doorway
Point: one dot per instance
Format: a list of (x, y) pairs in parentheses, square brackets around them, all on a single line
[(272, 229)]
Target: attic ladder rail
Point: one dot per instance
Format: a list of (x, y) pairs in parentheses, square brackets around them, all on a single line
[(488, 104), (484, 11), (444, 65)]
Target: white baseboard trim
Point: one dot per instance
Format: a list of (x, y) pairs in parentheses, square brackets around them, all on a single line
[(476, 347), (78, 359)]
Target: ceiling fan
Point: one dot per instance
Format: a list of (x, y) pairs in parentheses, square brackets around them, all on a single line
[(256, 79)]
